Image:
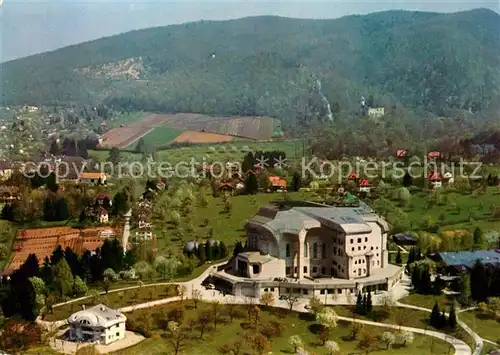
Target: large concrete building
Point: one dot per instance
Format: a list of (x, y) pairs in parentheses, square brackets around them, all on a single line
[(311, 248), (99, 324)]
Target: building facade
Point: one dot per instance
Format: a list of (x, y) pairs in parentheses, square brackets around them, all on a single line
[(99, 324), (307, 243)]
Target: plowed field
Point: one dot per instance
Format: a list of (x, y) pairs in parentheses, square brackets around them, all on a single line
[(251, 127), (202, 137)]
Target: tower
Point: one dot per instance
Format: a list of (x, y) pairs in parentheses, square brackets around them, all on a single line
[(126, 230)]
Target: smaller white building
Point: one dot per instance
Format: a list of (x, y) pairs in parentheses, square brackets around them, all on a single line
[(99, 324)]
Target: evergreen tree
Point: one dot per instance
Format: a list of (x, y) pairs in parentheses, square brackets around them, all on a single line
[(251, 184), (442, 322), (208, 251), (46, 272), (223, 250), (464, 288), (112, 255), (96, 267), (238, 248), (73, 261), (202, 255), (86, 273), (364, 304), (435, 318), (452, 317), (51, 182), (61, 210), (369, 303), (129, 259), (479, 238), (215, 249), (399, 260), (63, 278), (57, 255), (296, 181), (359, 303), (407, 180), (479, 282), (411, 256)]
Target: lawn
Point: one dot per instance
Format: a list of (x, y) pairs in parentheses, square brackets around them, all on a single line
[(115, 300), (426, 301), (226, 227), (159, 136), (126, 118), (293, 324), (486, 327), (487, 348)]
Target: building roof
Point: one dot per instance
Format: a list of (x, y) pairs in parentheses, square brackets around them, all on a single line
[(468, 258), (364, 183), (403, 238), (400, 153), (256, 257), (435, 176), (353, 176), (277, 181), (97, 316), (92, 175), (431, 155), (281, 219)]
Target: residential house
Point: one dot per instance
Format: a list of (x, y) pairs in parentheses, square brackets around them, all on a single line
[(103, 215), (99, 324), (455, 262), (376, 112), (401, 153), (277, 184), (353, 177), (436, 180), (92, 177), (226, 187), (433, 155), (364, 185)]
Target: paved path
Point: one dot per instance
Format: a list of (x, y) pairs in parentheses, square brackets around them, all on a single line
[(475, 336)]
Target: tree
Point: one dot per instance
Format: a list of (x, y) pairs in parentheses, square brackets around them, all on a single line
[(452, 317), (177, 336), (368, 342), (175, 218), (251, 185), (261, 343), (295, 342), (110, 275), (369, 303), (166, 268), (63, 278), (296, 181), (332, 347), (479, 238), (222, 250), (399, 260), (114, 156), (327, 318), (359, 304), (204, 318), (479, 282), (315, 305), (216, 313), (406, 337), (465, 288), (291, 300), (267, 299), (79, 287), (182, 292), (197, 296), (407, 180), (388, 338), (435, 317)]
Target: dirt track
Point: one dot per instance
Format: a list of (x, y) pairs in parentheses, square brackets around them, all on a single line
[(202, 137)]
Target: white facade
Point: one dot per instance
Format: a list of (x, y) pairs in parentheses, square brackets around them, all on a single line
[(98, 324)]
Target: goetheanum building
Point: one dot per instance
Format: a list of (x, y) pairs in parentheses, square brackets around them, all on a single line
[(98, 324), (311, 248)]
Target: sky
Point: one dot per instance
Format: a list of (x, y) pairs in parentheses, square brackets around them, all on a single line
[(29, 26)]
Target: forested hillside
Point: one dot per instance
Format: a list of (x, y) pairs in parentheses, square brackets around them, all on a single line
[(276, 66)]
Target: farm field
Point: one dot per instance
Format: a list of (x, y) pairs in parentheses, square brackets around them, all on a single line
[(158, 136), (293, 324), (258, 128), (202, 137)]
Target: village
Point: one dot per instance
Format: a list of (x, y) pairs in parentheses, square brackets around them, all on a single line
[(105, 263)]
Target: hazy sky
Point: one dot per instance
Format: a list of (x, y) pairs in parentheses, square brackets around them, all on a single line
[(29, 26)]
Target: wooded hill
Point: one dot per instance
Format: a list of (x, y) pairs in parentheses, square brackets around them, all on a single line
[(270, 66)]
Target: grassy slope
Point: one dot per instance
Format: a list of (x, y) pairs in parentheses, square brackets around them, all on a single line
[(487, 328), (295, 324)]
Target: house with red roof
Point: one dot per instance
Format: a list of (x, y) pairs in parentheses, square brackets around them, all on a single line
[(276, 183), (401, 153), (436, 180), (103, 215), (433, 155), (353, 176), (364, 185)]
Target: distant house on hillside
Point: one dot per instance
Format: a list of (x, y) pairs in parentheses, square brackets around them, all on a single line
[(401, 153), (456, 262), (433, 155), (103, 215), (376, 112), (364, 185), (94, 178), (436, 180)]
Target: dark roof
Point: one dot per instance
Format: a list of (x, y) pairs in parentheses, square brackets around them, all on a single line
[(468, 258), (402, 238)]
